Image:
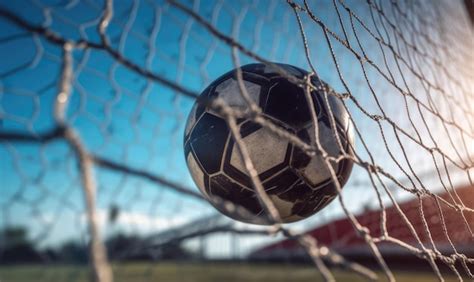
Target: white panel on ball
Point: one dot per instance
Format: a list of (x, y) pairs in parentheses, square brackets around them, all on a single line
[(284, 207), (196, 172), (316, 171), (191, 120), (229, 91), (265, 149)]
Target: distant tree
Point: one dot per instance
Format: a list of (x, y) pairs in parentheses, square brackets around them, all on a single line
[(132, 247), (176, 251), (114, 212), (15, 246), (73, 252), (50, 254), (123, 246)]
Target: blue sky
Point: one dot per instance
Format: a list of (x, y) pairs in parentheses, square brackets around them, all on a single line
[(124, 117)]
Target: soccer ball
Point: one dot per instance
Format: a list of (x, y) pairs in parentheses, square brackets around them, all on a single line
[(298, 185)]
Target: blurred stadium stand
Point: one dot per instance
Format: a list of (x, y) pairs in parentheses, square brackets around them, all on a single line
[(339, 235)]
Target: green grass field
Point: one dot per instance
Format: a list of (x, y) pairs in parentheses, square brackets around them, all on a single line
[(194, 272)]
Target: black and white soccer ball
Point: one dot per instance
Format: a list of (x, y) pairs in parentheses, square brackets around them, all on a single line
[(298, 185)]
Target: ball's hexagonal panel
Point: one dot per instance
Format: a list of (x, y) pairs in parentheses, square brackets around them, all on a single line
[(265, 149), (196, 172), (286, 102), (208, 139), (229, 91), (224, 187), (317, 172)]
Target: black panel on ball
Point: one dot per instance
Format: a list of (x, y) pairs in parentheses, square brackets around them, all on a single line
[(299, 192), (225, 188), (254, 68), (200, 109), (300, 159), (233, 172), (248, 128), (281, 182), (187, 148), (245, 129), (252, 77), (270, 72), (287, 103), (344, 171), (208, 141), (315, 201)]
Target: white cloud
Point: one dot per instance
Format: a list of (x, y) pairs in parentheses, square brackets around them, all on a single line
[(57, 228), (136, 222)]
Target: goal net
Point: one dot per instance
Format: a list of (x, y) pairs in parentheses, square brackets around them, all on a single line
[(94, 97)]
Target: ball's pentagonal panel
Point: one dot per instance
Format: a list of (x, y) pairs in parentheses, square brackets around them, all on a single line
[(229, 91), (317, 171), (265, 150), (208, 140), (297, 183), (225, 188), (286, 102), (196, 171)]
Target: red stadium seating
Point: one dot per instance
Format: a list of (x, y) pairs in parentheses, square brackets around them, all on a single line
[(340, 236)]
